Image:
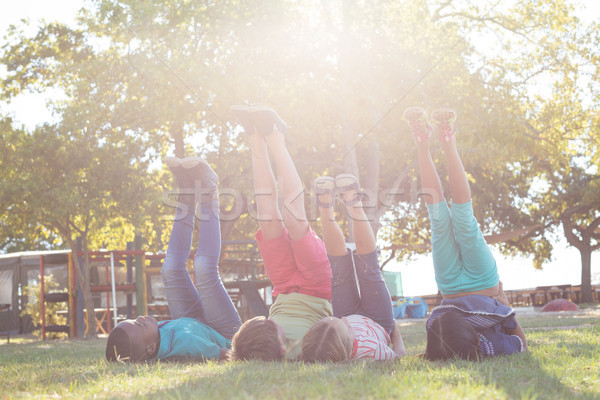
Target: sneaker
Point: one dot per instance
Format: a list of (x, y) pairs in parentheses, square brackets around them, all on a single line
[(265, 118), (186, 192), (242, 114), (349, 182), (443, 121), (417, 119), (325, 185), (174, 164), (198, 169)]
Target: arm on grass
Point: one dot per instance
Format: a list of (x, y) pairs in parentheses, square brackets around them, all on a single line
[(518, 331), (397, 342)]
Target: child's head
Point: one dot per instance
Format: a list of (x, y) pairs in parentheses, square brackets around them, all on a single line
[(451, 336), (330, 339), (258, 338), (133, 340)]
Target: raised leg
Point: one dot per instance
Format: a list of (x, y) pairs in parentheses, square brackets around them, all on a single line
[(182, 296), (218, 309), (333, 237), (375, 299), (479, 265), (431, 187), (345, 298), (459, 184), (265, 188), (293, 212), (364, 237)]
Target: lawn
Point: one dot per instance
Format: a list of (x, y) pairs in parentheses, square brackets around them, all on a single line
[(563, 362)]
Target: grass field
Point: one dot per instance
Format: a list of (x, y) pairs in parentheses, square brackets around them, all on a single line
[(563, 363)]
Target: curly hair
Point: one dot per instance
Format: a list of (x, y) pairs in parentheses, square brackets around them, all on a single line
[(324, 343), (257, 338), (119, 346)]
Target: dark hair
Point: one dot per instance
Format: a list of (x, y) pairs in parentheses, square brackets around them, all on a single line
[(450, 336), (257, 338), (323, 343), (119, 346)]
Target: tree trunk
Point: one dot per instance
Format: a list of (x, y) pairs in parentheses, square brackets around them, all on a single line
[(350, 160), (83, 274), (371, 185), (177, 133), (586, 275)]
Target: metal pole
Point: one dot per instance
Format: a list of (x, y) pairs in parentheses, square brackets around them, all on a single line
[(42, 298), (114, 289)]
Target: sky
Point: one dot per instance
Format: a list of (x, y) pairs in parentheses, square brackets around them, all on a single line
[(417, 275)]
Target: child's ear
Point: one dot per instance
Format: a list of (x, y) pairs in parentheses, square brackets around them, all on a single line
[(151, 348)]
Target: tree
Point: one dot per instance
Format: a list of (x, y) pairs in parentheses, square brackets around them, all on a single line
[(553, 70), (82, 172), (341, 74)]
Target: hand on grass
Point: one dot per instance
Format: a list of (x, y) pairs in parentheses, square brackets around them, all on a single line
[(397, 342)]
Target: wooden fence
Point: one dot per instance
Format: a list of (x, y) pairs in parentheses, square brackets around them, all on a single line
[(536, 297)]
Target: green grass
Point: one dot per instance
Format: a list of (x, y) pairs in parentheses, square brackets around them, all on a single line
[(562, 363)]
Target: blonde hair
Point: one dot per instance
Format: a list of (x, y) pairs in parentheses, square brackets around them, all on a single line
[(324, 343), (257, 338)]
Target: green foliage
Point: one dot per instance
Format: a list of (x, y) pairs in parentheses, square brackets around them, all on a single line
[(33, 308), (141, 80)]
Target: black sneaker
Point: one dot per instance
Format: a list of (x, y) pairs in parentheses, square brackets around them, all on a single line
[(242, 114), (198, 169), (265, 118), (174, 164)]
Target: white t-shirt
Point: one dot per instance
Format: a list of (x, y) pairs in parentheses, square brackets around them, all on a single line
[(370, 339)]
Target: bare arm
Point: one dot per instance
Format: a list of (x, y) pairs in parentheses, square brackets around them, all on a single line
[(518, 331), (397, 342)]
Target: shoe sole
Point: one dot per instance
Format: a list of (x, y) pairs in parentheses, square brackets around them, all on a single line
[(191, 162), (326, 183), (345, 180), (172, 162), (277, 121), (414, 114), (439, 115)]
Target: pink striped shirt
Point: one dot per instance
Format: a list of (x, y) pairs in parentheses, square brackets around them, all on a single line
[(370, 339)]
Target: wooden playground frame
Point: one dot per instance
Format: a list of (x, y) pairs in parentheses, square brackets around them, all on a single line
[(240, 265)]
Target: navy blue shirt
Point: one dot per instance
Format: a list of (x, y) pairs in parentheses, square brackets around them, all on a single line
[(490, 318)]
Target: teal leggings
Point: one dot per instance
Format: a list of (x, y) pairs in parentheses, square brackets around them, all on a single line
[(462, 259)]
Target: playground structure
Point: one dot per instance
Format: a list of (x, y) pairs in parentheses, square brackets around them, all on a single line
[(124, 285)]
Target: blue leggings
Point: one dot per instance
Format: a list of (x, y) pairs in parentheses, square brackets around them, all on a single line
[(369, 298), (208, 302), (462, 259)]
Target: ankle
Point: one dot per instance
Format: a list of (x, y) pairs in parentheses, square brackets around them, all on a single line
[(276, 140), (450, 145), (326, 214), (356, 212), (423, 147)]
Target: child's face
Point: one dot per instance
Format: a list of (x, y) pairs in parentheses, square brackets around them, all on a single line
[(143, 332)]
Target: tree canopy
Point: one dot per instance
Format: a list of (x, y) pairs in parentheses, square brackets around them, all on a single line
[(143, 79)]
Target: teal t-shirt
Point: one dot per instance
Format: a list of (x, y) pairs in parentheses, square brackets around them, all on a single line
[(189, 339)]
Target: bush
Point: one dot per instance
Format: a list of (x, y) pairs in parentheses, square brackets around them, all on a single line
[(33, 307)]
